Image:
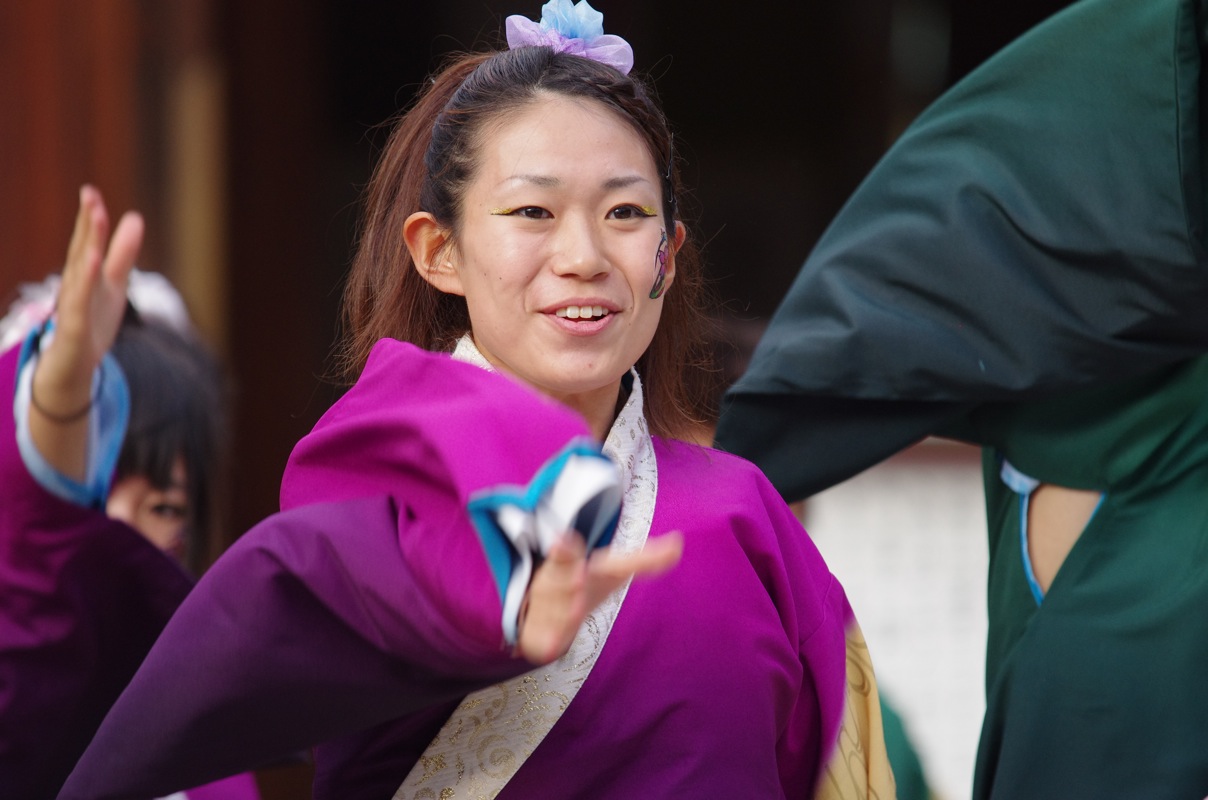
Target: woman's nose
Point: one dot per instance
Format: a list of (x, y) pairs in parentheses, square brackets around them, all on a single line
[(579, 252)]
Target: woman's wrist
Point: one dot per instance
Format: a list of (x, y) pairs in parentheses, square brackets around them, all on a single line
[(80, 412), (59, 392)]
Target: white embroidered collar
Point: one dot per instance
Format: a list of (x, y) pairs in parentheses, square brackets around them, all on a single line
[(515, 716), (628, 441)]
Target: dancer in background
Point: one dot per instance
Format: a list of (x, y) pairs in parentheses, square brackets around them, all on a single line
[(109, 458)]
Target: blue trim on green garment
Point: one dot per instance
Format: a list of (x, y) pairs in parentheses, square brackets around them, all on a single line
[(1029, 573), (1024, 485)]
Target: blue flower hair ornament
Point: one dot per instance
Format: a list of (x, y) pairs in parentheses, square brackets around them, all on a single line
[(574, 28), (578, 489)]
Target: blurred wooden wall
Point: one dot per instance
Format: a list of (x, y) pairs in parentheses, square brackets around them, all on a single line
[(127, 95), (207, 116), (69, 91)]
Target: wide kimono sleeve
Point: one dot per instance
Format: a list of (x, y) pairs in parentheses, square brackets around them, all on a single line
[(82, 599), (783, 627), (1039, 228), (845, 741), (367, 599)]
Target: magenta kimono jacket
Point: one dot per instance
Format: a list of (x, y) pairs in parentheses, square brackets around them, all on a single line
[(360, 616)]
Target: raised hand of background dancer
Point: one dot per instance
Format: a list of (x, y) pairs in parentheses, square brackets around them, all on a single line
[(91, 304)]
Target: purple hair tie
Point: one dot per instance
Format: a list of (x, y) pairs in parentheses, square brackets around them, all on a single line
[(574, 28)]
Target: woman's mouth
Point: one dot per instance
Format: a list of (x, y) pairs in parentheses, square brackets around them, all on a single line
[(582, 312)]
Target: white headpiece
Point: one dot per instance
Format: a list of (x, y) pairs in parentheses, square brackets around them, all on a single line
[(152, 295)]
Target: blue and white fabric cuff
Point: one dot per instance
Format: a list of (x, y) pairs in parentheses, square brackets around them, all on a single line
[(107, 422), (579, 489)]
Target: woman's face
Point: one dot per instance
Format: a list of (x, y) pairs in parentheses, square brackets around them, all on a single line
[(158, 514), (558, 250)]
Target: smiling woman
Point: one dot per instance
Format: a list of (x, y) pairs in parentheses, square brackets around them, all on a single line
[(439, 146), (556, 251), (523, 223)]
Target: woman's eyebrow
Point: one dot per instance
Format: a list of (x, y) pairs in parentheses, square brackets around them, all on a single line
[(545, 181), (623, 181), (549, 181)]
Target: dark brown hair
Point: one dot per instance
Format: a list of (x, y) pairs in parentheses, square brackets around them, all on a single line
[(428, 163), (177, 409)]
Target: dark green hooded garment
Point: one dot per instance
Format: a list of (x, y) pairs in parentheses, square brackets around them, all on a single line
[(1040, 227), (1026, 270)]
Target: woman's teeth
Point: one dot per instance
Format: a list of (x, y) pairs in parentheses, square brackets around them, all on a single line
[(581, 312)]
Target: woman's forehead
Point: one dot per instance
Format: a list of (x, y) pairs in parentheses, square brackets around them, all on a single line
[(554, 134)]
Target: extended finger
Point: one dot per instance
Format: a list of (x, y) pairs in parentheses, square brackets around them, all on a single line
[(607, 571), (565, 568), (75, 247), (556, 602), (659, 555), (96, 230), (86, 251), (567, 548), (82, 267), (124, 247)]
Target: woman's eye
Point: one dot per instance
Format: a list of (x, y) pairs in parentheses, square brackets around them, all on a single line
[(630, 212), (169, 511), (531, 212)]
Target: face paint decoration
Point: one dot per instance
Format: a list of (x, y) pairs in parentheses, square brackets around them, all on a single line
[(660, 267)]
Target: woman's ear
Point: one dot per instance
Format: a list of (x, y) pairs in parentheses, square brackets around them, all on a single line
[(681, 233), (432, 252)]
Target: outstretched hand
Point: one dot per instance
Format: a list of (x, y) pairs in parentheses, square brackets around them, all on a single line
[(569, 585), (91, 304)]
